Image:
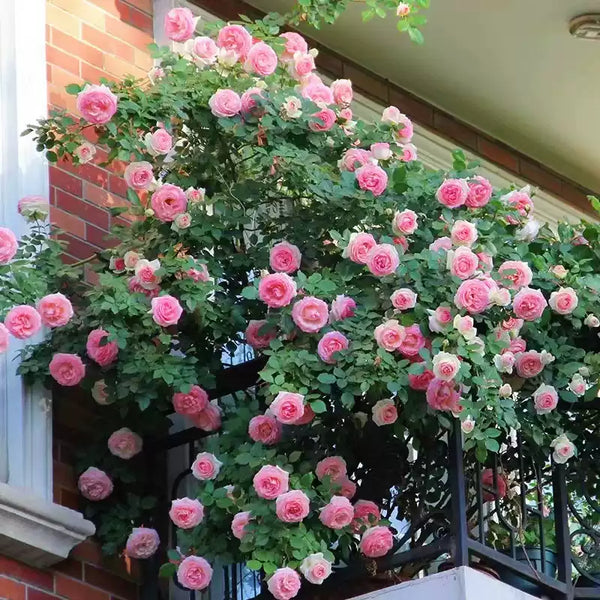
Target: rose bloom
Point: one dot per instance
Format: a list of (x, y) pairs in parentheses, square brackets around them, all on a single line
[(186, 513), (413, 341), (318, 92), (519, 200), (564, 449), (403, 9), (130, 259), (204, 50), (100, 350), (420, 382), (592, 321), (166, 310), (463, 233), (323, 120), (384, 413), (564, 301), (443, 243), (559, 271), (94, 484), (285, 257), (462, 262), (382, 260), (67, 369), (480, 192), (453, 193), (381, 151), (139, 175), (159, 142), (301, 65), (467, 425), (291, 108), (3, 338), (225, 103), (354, 158), (194, 573), (294, 42), (529, 304), (310, 314), (179, 24), (99, 393), (124, 443), (287, 407), (250, 106), (264, 429), (338, 513), (405, 131), (257, 340), (341, 308), (529, 231), (270, 482), (578, 385), (504, 362), (168, 202), (465, 326), (8, 245), (403, 299), (366, 513), (372, 178), (376, 541), (408, 153), (145, 271), (347, 487), (446, 366), (238, 525), (516, 346), (236, 38), (199, 274), (486, 262), (359, 246), (261, 59), (520, 276), (190, 403), (545, 399), (505, 391), (440, 319), (342, 92), (206, 466), (33, 208), (498, 491), (329, 344), (473, 295), (96, 104), (443, 395), (529, 364), (405, 222), (284, 584), (23, 321), (55, 310), (390, 335), (307, 417), (85, 152), (276, 289), (315, 568), (333, 467), (292, 507), (182, 221), (208, 419)]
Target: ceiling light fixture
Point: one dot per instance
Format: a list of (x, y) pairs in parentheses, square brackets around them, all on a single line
[(586, 27)]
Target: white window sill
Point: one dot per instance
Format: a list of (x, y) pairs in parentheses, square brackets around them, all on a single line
[(36, 531)]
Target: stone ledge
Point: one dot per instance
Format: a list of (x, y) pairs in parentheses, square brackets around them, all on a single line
[(38, 532)]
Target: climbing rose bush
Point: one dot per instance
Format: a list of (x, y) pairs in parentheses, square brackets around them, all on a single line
[(385, 303)]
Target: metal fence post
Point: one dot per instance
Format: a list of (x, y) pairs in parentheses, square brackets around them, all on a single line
[(561, 524), (456, 474)]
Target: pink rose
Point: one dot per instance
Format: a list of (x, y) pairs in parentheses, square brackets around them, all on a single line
[(270, 482), (333, 467), (494, 492), (347, 487), (473, 296), (182, 221), (366, 514), (413, 341), (23, 321), (515, 274), (32, 208), (529, 364), (287, 407), (338, 513), (516, 345), (342, 92), (372, 178), (486, 263), (404, 299), (206, 466), (453, 193), (194, 573), (261, 59), (257, 340), (405, 222), (376, 541), (142, 543), (403, 9), (315, 568), (139, 175), (250, 107), (381, 151), (238, 525), (310, 314), (359, 246), (292, 507), (440, 319), (94, 484), (67, 369), (199, 274), (329, 344), (319, 93), (301, 66), (145, 271), (446, 366), (204, 49), (519, 200), (405, 131), (391, 116), (190, 403), (382, 260), (124, 443), (529, 304), (564, 301), (276, 289), (421, 381), (354, 158), (545, 399), (559, 271), (85, 152), (236, 38), (512, 325), (341, 308), (225, 103), (443, 243), (3, 338), (284, 584), (307, 417), (160, 142), (408, 153), (134, 286), (443, 395), (463, 262), (100, 393), (285, 257), (564, 449), (294, 42), (465, 326), (208, 419), (186, 513), (99, 350), (166, 310), (504, 362), (131, 259), (168, 202), (390, 335), (97, 104), (480, 192), (463, 233), (264, 429), (384, 413), (323, 120), (179, 24)]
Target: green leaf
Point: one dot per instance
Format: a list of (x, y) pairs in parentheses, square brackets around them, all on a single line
[(318, 406), (326, 378), (492, 445), (254, 565), (167, 570), (250, 293), (73, 89)]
